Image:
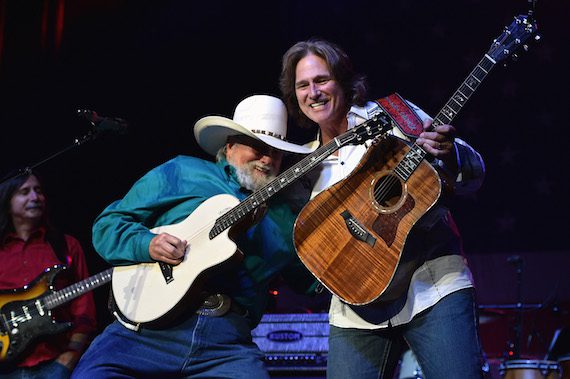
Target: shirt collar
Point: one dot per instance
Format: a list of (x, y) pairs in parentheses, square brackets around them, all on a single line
[(39, 234), (358, 111), (227, 168), (231, 175)]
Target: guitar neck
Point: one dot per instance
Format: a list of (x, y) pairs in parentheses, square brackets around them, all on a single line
[(464, 92), (260, 196), (75, 290), (367, 130), (416, 155)]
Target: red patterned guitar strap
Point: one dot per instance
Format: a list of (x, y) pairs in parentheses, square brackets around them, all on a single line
[(405, 118)]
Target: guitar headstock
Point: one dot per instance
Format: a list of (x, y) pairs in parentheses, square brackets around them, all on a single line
[(513, 38), (378, 125)]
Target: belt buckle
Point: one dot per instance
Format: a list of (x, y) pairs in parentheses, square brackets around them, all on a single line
[(215, 305)]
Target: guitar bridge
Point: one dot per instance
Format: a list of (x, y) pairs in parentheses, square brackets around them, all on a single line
[(357, 230), (166, 270)]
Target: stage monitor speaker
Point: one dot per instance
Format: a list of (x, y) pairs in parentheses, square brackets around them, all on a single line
[(293, 341)]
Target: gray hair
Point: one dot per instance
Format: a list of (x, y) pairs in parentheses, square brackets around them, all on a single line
[(221, 154)]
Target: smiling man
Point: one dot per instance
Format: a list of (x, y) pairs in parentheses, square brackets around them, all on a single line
[(256, 163), (436, 316)]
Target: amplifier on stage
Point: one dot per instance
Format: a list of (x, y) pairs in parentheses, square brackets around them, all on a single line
[(293, 341)]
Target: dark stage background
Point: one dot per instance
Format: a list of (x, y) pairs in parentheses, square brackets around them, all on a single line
[(162, 65)]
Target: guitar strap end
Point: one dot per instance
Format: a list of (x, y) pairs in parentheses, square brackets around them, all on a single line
[(402, 114), (126, 323), (114, 309)]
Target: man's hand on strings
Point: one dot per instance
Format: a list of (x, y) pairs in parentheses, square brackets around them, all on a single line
[(167, 248), (439, 143)]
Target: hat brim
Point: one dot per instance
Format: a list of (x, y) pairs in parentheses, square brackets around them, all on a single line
[(212, 132)]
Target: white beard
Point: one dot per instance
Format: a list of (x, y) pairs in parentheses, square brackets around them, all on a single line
[(249, 179)]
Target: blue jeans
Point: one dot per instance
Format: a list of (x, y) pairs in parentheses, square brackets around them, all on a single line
[(200, 347), (48, 370), (444, 339)]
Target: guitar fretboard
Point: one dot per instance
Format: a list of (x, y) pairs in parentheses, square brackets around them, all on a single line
[(416, 154), (375, 126), (464, 92), (75, 290)]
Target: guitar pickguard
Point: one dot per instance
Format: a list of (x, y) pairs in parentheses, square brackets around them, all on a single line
[(24, 317), (386, 224)]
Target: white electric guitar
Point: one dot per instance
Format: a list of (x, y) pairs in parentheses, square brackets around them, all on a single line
[(155, 293)]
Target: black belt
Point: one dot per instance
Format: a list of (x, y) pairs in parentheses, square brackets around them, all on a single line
[(220, 304), (213, 306)]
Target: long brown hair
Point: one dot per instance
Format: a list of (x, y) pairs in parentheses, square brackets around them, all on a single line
[(7, 190), (353, 85)]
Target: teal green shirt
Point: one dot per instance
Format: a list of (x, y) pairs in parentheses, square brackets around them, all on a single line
[(169, 193)]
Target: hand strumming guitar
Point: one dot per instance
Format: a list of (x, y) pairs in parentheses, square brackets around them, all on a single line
[(167, 248)]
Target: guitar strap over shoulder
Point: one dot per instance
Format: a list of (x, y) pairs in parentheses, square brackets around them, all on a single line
[(402, 114), (59, 245)]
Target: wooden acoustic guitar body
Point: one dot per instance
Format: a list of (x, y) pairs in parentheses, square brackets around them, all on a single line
[(351, 236)]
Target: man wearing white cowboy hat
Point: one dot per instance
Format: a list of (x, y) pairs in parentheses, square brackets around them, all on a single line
[(214, 340), (260, 124)]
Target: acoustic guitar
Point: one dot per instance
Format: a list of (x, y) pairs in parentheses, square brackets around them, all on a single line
[(352, 235)]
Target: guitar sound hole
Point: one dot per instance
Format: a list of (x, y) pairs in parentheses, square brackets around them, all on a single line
[(388, 191)]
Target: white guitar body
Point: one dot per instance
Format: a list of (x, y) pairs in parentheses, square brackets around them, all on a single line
[(141, 292)]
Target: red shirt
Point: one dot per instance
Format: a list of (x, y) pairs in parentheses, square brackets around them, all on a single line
[(23, 261)]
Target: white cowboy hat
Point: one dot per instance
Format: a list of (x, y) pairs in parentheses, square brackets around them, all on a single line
[(261, 117)]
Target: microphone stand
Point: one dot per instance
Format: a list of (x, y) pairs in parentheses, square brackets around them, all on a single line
[(517, 261), (91, 135)]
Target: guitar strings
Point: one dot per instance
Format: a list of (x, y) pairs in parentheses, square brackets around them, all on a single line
[(383, 189), (95, 281)]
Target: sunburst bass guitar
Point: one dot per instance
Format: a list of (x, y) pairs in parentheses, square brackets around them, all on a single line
[(351, 236)]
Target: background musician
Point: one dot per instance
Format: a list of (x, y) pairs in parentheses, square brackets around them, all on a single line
[(28, 246)]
